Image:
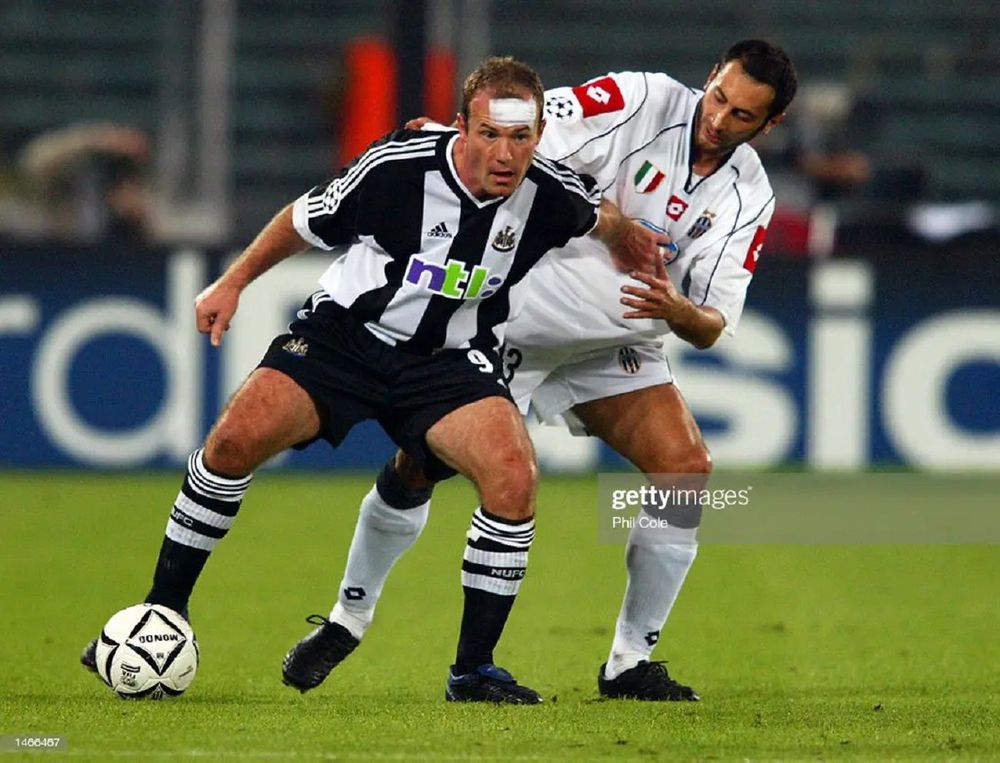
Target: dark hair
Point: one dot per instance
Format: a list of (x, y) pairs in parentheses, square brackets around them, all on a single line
[(769, 65), (507, 78)]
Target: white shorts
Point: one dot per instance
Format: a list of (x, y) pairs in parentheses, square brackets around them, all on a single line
[(553, 379)]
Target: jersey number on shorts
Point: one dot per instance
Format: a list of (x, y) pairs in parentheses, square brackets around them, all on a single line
[(512, 358), (478, 358)]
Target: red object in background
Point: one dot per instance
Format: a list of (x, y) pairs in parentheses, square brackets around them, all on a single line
[(439, 86), (369, 96), (788, 233), (370, 93)]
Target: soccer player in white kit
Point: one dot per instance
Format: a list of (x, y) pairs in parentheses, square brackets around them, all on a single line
[(587, 345)]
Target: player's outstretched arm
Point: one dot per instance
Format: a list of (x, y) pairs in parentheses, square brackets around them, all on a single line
[(632, 246), (659, 298), (215, 307)]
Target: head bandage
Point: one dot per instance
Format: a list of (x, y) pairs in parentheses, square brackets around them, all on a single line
[(513, 111)]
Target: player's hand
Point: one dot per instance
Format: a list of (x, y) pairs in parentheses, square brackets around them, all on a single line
[(214, 308), (417, 123), (636, 247), (658, 299)]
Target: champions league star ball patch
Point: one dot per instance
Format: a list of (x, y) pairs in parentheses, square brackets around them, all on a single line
[(560, 107)]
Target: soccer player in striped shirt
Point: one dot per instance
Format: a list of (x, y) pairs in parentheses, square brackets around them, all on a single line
[(434, 234), (678, 159)]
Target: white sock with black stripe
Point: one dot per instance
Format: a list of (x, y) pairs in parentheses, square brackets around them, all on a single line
[(203, 512), (493, 566)]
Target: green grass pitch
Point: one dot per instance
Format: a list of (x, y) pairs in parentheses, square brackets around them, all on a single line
[(799, 651)]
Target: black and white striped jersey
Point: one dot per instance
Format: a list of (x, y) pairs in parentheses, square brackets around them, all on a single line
[(425, 265)]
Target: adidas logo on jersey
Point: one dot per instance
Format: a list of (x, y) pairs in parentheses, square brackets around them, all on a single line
[(439, 231)]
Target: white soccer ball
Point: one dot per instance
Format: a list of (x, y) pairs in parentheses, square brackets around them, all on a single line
[(147, 651)]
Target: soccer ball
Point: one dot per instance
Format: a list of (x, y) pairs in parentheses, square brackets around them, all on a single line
[(147, 651)]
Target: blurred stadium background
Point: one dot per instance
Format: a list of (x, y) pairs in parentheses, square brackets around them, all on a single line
[(872, 332), (144, 142)]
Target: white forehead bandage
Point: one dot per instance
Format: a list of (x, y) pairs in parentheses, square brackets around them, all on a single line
[(507, 112)]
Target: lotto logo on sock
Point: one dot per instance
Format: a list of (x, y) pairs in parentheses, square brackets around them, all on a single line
[(354, 593)]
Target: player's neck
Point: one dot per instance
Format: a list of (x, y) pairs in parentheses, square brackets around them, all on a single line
[(704, 163)]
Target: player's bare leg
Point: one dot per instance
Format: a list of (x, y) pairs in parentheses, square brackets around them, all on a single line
[(487, 442), (269, 413), (654, 429)]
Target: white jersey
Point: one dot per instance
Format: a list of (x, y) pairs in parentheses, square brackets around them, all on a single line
[(632, 131)]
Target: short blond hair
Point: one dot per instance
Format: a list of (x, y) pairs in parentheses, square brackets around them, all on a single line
[(507, 78)]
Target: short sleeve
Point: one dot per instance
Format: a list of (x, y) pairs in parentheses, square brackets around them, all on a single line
[(326, 216), (595, 126), (577, 209), (721, 273)]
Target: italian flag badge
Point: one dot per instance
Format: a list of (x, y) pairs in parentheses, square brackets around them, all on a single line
[(648, 178)]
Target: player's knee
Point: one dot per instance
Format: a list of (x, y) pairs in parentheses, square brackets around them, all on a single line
[(227, 454), (697, 460), (510, 490), (411, 474), (694, 459)]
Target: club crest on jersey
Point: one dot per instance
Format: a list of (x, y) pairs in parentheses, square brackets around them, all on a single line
[(629, 360), (648, 178), (676, 207), (505, 241), (452, 280), (701, 225), (296, 346)]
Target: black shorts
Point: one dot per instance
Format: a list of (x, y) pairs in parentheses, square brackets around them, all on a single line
[(352, 376)]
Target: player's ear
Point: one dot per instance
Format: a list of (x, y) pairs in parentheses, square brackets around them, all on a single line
[(541, 128), (463, 128), (773, 122)]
